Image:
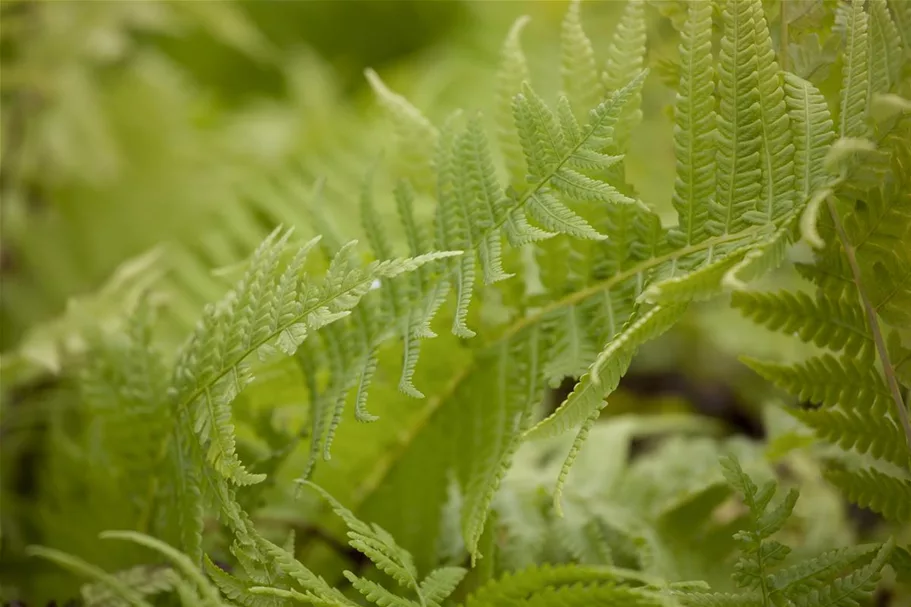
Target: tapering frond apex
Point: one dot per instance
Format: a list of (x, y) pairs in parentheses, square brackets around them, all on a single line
[(580, 81), (513, 72)]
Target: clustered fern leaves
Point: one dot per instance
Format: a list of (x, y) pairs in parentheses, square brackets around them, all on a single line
[(851, 393), (546, 264)]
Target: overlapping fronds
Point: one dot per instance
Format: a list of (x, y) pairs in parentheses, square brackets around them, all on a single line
[(857, 216), (720, 229), (271, 309), (757, 159)]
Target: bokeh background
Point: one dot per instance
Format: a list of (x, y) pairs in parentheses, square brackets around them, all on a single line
[(133, 124)]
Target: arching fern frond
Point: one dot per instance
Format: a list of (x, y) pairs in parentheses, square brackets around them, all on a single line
[(271, 309)]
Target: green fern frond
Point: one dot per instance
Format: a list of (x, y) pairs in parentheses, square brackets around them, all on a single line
[(816, 572), (146, 580), (416, 136), (886, 493), (269, 309), (865, 433), (829, 381), (580, 80), (737, 154), (234, 589), (813, 128), (513, 72), (834, 324), (625, 59), (375, 543), (694, 114), (497, 423), (535, 586), (583, 406), (777, 150), (117, 587), (885, 50), (208, 593), (855, 73), (848, 589), (375, 593), (439, 584)]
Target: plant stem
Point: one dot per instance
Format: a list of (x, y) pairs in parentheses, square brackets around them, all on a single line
[(881, 349)]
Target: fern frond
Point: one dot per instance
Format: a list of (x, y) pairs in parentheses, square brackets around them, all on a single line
[(855, 75), (885, 50), (283, 561), (852, 588), (885, 493), (777, 150), (375, 543), (495, 422), (573, 350), (270, 308), (606, 371), (416, 135), (737, 154), (513, 72), (208, 593), (580, 81), (525, 585), (486, 201), (813, 134), (836, 324), (234, 589), (375, 593), (625, 59), (439, 584), (694, 114), (583, 406), (472, 211), (146, 580), (816, 572), (759, 553), (829, 381), (118, 587), (717, 599), (861, 431)]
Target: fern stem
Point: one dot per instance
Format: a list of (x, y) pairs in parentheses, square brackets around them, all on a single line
[(878, 340)]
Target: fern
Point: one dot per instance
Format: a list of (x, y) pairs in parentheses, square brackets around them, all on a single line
[(191, 444), (859, 274), (839, 577)]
